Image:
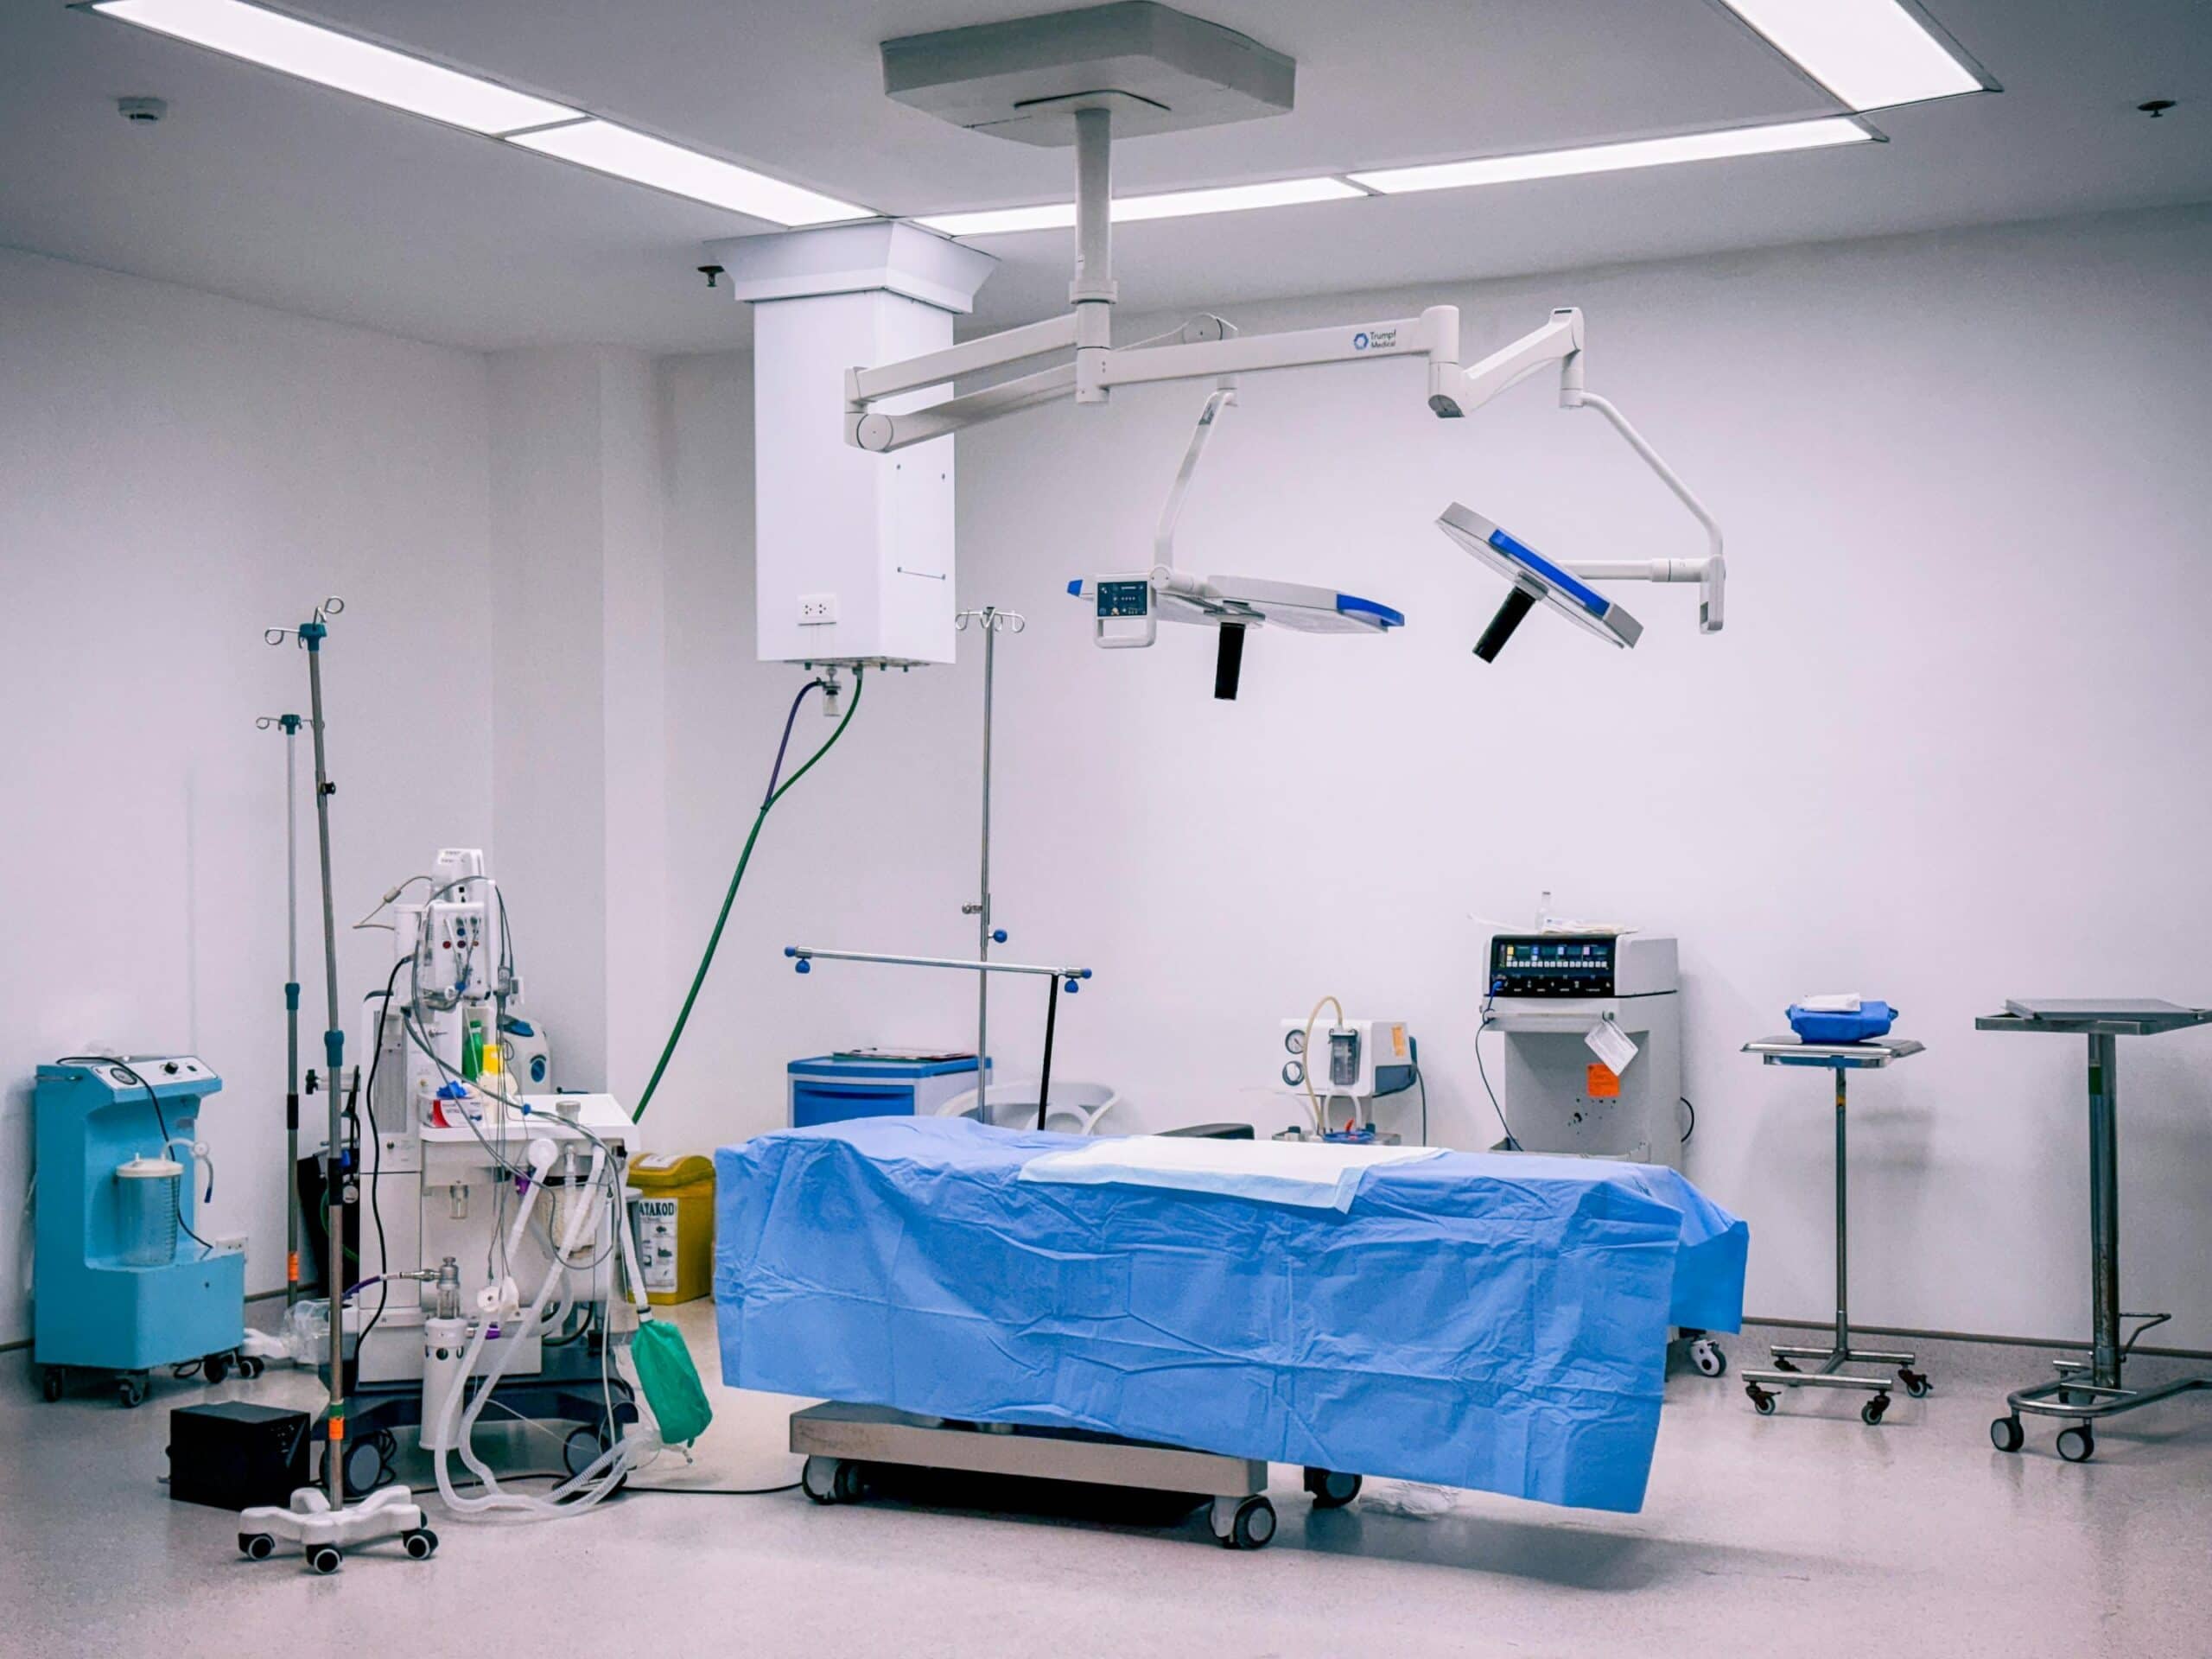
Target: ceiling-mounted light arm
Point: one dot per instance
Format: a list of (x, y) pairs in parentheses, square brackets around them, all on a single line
[(873, 429), (1560, 340), (1711, 572), (1163, 539)]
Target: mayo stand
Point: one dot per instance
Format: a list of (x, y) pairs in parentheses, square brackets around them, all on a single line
[(1840, 1059), (2089, 1389)]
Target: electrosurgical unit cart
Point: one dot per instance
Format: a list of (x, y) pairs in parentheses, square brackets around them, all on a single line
[(1842, 1058), (1563, 1000), (2089, 1390)]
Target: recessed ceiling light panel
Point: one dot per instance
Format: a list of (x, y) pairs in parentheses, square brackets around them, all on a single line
[(1615, 158), (1871, 53), (606, 148), (330, 58)]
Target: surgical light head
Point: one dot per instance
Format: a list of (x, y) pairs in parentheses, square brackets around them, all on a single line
[(1535, 579), (1129, 609)]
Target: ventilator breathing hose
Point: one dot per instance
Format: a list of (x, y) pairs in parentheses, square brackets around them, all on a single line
[(776, 792)]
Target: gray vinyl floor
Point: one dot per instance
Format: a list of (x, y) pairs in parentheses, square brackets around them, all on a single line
[(1805, 1533)]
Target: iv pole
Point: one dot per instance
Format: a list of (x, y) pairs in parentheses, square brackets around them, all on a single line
[(338, 1170), (289, 725), (992, 621)]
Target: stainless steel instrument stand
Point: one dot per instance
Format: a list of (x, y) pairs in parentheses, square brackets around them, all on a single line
[(1841, 1059), (2089, 1389)]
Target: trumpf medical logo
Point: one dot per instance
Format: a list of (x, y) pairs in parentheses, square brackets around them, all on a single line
[(1374, 339)]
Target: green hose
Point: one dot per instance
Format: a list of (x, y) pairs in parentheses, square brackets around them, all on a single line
[(737, 878)]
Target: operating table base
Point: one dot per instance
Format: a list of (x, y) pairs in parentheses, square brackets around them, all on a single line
[(843, 1443)]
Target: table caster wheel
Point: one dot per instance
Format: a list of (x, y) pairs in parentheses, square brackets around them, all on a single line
[(2007, 1434), (420, 1544), (52, 1381), (1916, 1383), (251, 1365), (1252, 1526), (216, 1367), (831, 1480), (1762, 1400), (1330, 1490), (2077, 1444), (257, 1546), (1781, 1365), (1708, 1356), (1873, 1411), (129, 1392)]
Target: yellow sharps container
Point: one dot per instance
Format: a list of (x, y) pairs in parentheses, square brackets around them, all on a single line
[(676, 1224)]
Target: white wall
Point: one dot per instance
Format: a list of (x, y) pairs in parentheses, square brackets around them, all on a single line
[(1945, 752), (176, 472)]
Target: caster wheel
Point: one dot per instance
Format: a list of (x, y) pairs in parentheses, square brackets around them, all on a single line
[(257, 1546), (2007, 1434), (215, 1368), (52, 1382), (1874, 1410), (1785, 1364), (1762, 1400), (581, 1449), (2077, 1444), (1707, 1356), (367, 1467), (1254, 1526), (129, 1392), (250, 1366), (324, 1558), (1330, 1490), (1916, 1383), (831, 1480), (420, 1544)]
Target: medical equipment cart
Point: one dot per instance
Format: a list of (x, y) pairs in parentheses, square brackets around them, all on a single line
[(123, 1284), (1842, 1058), (2089, 1390)]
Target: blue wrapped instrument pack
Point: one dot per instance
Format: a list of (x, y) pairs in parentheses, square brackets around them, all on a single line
[(1868, 1019), (1492, 1321)]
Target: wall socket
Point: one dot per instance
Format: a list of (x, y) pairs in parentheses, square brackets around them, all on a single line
[(814, 609)]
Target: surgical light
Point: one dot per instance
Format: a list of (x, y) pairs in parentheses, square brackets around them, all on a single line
[(1871, 53), (1536, 578), (350, 65), (1128, 210), (606, 148), (1617, 158)]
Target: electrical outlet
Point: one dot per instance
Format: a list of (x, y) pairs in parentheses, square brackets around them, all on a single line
[(814, 609)]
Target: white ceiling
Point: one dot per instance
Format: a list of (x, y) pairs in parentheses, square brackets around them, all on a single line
[(283, 193)]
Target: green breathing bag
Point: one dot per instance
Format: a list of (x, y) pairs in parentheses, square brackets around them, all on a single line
[(670, 1381)]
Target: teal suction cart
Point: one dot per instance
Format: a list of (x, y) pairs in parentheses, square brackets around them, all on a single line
[(123, 1282)]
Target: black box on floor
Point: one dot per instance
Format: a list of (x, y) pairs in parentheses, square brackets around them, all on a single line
[(233, 1456)]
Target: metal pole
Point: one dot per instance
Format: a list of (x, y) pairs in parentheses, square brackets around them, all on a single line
[(2104, 1207), (291, 725), (1842, 1229), (1044, 1079), (983, 906), (338, 1172)]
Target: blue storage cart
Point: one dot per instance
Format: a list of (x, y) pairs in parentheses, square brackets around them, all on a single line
[(834, 1088)]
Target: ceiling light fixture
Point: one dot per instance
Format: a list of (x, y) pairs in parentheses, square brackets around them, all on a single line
[(1871, 53), (330, 58), (1128, 210), (606, 148), (1615, 158)]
